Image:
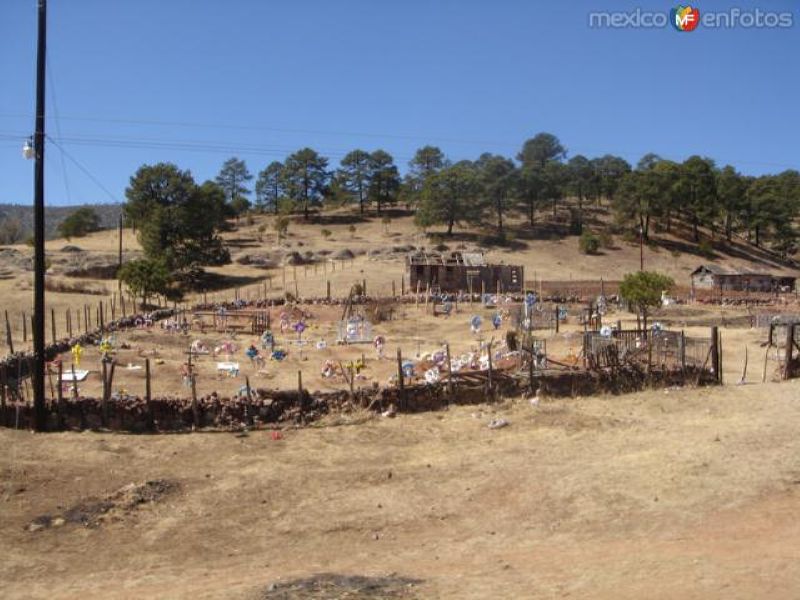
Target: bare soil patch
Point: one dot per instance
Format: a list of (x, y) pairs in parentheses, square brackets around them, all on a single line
[(93, 512), (329, 586)]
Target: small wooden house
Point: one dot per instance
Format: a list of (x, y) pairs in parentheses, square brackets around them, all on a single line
[(722, 279), (462, 272)]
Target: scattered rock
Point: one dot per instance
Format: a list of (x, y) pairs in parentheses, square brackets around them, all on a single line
[(343, 254), (498, 424), (71, 248), (293, 259), (94, 270)]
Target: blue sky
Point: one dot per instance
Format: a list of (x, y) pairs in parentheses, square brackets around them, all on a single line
[(197, 81)]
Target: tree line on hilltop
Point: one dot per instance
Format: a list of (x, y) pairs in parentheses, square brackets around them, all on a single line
[(178, 220)]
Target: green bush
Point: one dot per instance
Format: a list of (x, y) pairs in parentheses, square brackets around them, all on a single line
[(281, 226), (326, 233), (589, 243)]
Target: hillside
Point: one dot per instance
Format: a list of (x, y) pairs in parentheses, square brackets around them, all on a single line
[(23, 213), (546, 251)]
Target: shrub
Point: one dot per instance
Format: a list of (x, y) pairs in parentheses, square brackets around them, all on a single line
[(352, 230), (589, 243), (281, 225), (675, 253), (326, 233)]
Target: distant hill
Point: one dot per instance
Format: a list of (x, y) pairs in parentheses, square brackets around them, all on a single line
[(108, 213)]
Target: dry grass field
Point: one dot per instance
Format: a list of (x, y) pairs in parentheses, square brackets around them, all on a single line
[(677, 493), (689, 493)]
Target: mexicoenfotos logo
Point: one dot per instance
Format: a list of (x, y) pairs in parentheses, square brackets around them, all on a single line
[(684, 18), (688, 18)]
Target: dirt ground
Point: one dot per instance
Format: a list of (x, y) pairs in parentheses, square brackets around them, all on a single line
[(687, 493), (679, 493), (415, 331)]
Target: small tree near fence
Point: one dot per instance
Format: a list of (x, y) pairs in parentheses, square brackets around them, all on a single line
[(643, 291), (145, 277)]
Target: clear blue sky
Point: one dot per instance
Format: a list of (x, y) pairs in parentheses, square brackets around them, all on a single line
[(259, 79)]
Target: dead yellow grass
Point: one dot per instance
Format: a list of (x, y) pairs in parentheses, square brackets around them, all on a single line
[(679, 494)]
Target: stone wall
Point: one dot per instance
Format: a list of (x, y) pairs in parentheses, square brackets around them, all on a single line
[(271, 408)]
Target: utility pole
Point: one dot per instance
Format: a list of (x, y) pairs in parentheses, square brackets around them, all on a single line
[(119, 281), (641, 247), (40, 416)]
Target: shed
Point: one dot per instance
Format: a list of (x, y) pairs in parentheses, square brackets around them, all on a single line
[(722, 279), (462, 272)]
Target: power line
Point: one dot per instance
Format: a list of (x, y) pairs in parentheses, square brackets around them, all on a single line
[(418, 139), (84, 169), (199, 125), (58, 127)]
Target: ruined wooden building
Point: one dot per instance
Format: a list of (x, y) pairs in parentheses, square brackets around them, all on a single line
[(722, 279), (462, 272)]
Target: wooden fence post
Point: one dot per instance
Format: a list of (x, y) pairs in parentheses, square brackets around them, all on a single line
[(24, 327), (74, 383), (147, 398), (491, 385), (787, 371), (530, 365), (715, 352), (3, 378), (195, 408), (104, 401), (300, 398), (401, 380), (9, 341), (60, 405), (683, 351), (450, 382), (53, 323)]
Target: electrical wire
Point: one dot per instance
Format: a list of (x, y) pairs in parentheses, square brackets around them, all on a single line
[(58, 127), (84, 170)]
